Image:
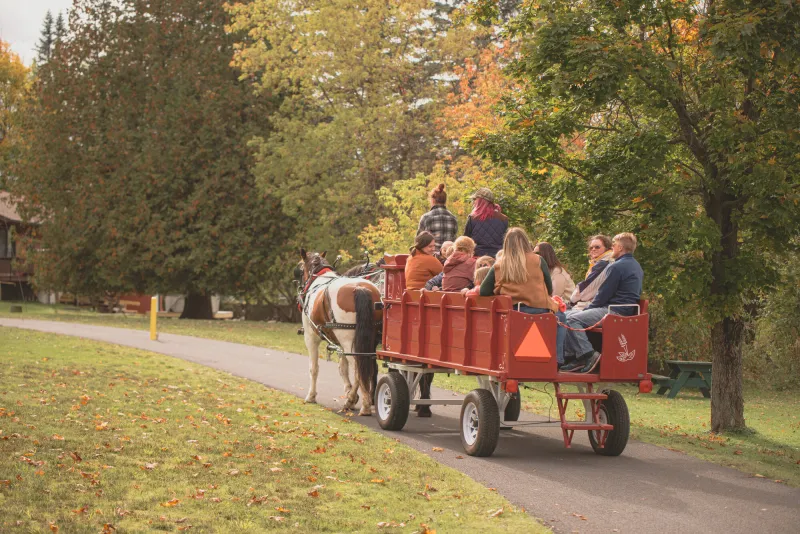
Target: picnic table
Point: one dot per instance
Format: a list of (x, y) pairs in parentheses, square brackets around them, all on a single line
[(683, 375)]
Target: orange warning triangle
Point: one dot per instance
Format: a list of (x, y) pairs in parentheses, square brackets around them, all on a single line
[(533, 346)]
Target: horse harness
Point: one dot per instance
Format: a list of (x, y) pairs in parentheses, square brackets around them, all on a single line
[(325, 331)]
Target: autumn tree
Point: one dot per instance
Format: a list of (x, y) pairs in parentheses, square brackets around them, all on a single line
[(689, 113), (137, 161), (13, 81)]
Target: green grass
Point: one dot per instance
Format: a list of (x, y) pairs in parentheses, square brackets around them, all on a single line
[(771, 450), (96, 437), (682, 424), (280, 336)]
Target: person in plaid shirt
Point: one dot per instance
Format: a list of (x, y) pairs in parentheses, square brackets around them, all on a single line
[(438, 220)]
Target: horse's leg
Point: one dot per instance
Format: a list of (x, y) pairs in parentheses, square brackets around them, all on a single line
[(312, 344), (344, 372), (366, 397), (352, 396)]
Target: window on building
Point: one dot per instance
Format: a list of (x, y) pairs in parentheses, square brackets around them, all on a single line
[(6, 243)]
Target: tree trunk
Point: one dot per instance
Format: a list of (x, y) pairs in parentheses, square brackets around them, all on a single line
[(727, 401), (197, 307)]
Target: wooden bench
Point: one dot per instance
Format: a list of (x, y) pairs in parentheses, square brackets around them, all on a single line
[(682, 375)]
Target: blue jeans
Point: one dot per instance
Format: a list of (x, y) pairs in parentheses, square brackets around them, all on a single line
[(577, 343), (561, 332)]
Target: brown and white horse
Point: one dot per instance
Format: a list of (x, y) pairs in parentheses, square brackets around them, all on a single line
[(328, 300)]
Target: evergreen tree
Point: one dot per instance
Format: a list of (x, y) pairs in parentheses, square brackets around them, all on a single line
[(45, 47), (139, 166), (60, 29)]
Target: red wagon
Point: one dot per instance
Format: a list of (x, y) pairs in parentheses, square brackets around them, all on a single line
[(440, 332)]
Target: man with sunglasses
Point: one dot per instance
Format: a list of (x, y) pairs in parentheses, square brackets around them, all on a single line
[(621, 289)]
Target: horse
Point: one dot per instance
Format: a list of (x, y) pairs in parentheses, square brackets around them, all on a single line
[(343, 310)]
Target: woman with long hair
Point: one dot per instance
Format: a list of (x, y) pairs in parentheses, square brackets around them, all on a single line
[(486, 225), (563, 286), (439, 221), (422, 265), (600, 256), (524, 276)]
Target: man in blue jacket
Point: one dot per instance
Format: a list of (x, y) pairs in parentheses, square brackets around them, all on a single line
[(619, 295)]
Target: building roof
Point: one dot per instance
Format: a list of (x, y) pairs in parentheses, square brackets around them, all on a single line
[(8, 209)]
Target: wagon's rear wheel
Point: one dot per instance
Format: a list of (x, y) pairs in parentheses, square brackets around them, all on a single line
[(392, 401), (480, 423), (513, 407), (613, 411)]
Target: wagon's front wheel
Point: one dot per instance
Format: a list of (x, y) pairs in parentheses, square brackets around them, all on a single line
[(480, 423), (392, 401), (613, 411)]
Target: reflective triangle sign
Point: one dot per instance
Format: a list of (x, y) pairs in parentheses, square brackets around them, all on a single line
[(533, 346)]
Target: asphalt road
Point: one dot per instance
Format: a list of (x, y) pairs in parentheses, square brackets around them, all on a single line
[(647, 489)]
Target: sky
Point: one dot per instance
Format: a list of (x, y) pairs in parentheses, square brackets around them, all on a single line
[(21, 23)]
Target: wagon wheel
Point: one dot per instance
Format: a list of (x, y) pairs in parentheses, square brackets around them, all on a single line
[(614, 411), (480, 423), (392, 401), (513, 407)]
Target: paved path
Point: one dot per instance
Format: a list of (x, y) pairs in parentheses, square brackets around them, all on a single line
[(647, 489)]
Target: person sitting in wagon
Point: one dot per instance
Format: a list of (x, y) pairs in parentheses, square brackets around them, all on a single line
[(422, 265), (459, 269), (599, 251), (524, 276), (621, 289), (435, 283)]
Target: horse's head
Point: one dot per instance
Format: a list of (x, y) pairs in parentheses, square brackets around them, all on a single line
[(310, 264)]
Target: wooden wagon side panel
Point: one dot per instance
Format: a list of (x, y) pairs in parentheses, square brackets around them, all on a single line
[(532, 347), (624, 347)]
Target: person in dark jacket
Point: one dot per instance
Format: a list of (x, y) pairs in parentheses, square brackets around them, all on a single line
[(486, 225), (621, 289), (439, 221)]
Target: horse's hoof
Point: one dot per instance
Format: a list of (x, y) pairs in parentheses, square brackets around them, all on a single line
[(365, 412), (424, 411), (311, 400)]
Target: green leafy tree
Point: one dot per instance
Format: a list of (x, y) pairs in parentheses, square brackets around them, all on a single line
[(688, 114), (137, 161), (358, 103)]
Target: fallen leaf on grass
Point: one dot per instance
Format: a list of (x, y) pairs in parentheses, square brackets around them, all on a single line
[(313, 493), (277, 518), (39, 472), (426, 530), (438, 449), (759, 476), (275, 469), (101, 426), (182, 520), (366, 506), (187, 527), (496, 513), (53, 527), (57, 437), (108, 528), (233, 472), (378, 481), (737, 452), (149, 467), (80, 510), (422, 493), (170, 504), (282, 510)]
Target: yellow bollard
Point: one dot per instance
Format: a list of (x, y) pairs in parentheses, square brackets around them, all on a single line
[(153, 318)]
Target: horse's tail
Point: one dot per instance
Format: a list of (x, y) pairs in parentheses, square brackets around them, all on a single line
[(366, 339)]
